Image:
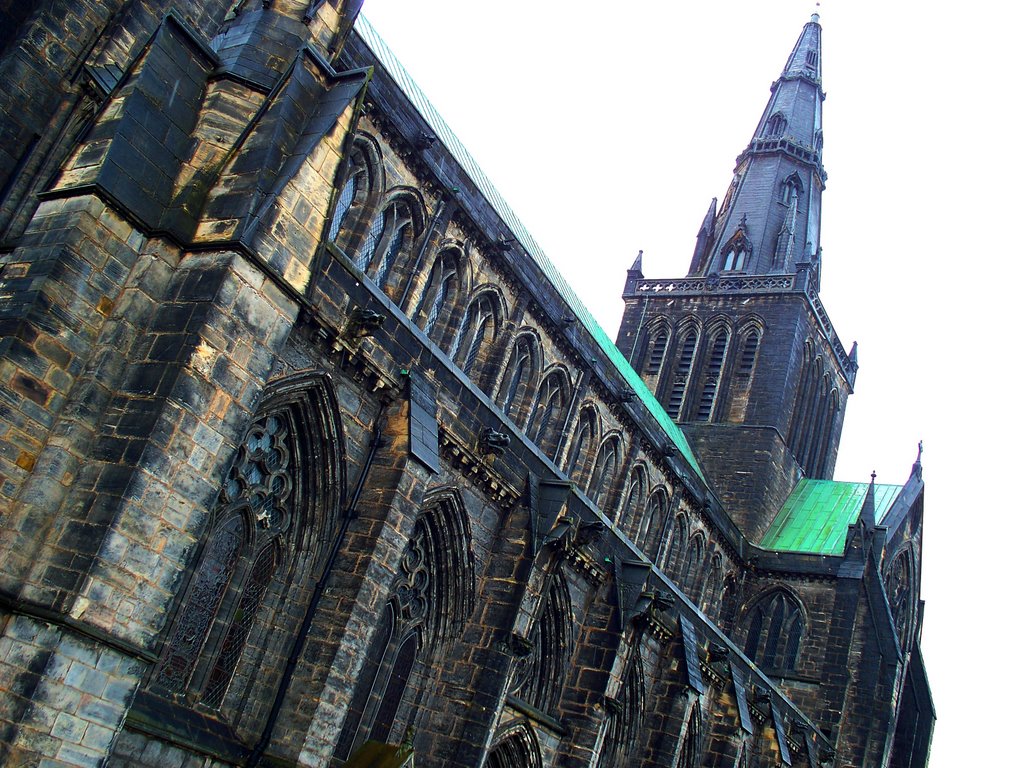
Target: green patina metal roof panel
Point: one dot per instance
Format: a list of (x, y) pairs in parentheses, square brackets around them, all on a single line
[(487, 189), (816, 515)]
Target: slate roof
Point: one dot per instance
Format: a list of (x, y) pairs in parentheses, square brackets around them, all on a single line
[(445, 134), (816, 515)]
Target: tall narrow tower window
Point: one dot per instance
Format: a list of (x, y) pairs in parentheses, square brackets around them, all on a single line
[(682, 373), (791, 188), (775, 126), (712, 375), (737, 251), (656, 352)]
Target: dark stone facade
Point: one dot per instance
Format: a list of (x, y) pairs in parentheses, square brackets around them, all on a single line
[(303, 443)]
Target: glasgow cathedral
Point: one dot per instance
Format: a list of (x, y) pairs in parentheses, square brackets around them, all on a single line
[(310, 457)]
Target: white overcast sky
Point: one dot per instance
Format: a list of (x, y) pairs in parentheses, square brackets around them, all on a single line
[(609, 126)]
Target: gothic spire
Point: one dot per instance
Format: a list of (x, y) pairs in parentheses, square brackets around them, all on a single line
[(773, 204)]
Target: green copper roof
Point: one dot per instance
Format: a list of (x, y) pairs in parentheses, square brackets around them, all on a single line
[(461, 154), (817, 514)]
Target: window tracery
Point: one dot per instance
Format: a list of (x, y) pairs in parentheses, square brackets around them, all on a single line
[(625, 719), (899, 589), (737, 252), (774, 631)]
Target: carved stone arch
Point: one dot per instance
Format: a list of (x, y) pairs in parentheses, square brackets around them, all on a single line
[(631, 511), (547, 418), (582, 449), (713, 358), (689, 749), (518, 384), (484, 317), (901, 593), (652, 524), (676, 387), (693, 566), (626, 713), (431, 599), (440, 291), (278, 506), (392, 237), (775, 126), (738, 252), (543, 672), (358, 186), (775, 621), (657, 336), (515, 746), (605, 472), (791, 187)]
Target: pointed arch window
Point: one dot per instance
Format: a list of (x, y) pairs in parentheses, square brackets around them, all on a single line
[(775, 126), (689, 756), (582, 444), (681, 378), (653, 522), (775, 629), (693, 568), (519, 380), (899, 591), (542, 673), (712, 374), (391, 234), (430, 601), (736, 253), (275, 508), (630, 516), (517, 748), (622, 727), (440, 294), (791, 190), (354, 193), (748, 354), (605, 471), (550, 409), (656, 352), (478, 327)]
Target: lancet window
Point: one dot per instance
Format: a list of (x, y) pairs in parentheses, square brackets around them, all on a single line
[(431, 599), (353, 194), (625, 718), (391, 234), (538, 680), (899, 590), (275, 508), (440, 294), (712, 374), (478, 327), (736, 253), (775, 626), (549, 412), (681, 377), (605, 471)]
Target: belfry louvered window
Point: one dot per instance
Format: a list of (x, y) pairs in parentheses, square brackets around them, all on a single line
[(748, 355), (656, 352), (712, 375), (681, 377)]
